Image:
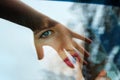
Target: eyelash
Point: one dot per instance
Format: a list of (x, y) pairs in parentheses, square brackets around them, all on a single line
[(46, 34)]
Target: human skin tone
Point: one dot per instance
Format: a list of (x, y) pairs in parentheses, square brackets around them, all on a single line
[(101, 76), (20, 13), (60, 38), (46, 31)]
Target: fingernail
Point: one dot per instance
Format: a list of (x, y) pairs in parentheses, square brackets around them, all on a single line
[(77, 56), (68, 62), (85, 63), (79, 59), (86, 54), (88, 40)]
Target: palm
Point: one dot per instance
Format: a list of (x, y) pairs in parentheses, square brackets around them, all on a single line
[(62, 39)]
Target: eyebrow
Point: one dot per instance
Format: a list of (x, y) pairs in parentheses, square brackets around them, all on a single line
[(47, 25)]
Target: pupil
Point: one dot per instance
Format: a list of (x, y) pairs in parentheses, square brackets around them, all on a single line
[(46, 33)]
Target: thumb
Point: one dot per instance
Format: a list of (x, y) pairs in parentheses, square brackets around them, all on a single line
[(102, 76), (79, 75), (102, 73)]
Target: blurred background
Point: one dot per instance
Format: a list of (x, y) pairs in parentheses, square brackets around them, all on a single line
[(102, 25), (18, 59)]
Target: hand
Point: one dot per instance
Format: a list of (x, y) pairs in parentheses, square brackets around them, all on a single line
[(78, 68), (60, 38), (102, 76)]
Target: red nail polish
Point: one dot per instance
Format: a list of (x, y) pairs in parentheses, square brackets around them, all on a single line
[(85, 63), (86, 54), (88, 40), (77, 56), (68, 62)]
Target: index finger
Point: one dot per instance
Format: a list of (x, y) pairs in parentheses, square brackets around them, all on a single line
[(75, 35)]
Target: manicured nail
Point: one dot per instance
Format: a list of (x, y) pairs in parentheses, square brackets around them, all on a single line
[(76, 56), (84, 62), (88, 40), (79, 59), (68, 62), (86, 53)]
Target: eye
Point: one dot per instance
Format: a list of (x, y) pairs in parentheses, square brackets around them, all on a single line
[(46, 34)]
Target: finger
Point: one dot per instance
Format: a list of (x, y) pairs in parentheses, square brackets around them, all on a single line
[(81, 49), (64, 57), (77, 65), (102, 76), (40, 53), (75, 35), (78, 68), (77, 56), (102, 73), (62, 54)]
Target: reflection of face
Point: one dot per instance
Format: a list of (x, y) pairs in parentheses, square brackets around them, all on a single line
[(60, 38), (54, 36)]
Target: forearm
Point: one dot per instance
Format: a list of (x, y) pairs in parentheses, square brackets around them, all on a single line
[(20, 13)]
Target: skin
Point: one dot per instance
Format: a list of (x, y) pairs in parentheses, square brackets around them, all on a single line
[(60, 38), (22, 14), (46, 30), (101, 76), (78, 67)]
